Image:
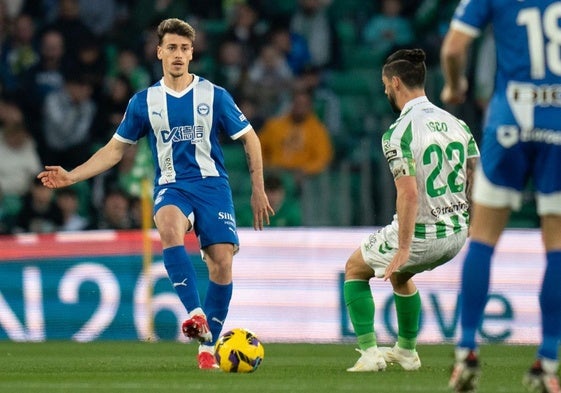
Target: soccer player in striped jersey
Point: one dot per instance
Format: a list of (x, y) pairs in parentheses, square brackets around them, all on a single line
[(521, 142), (182, 116), (431, 155)]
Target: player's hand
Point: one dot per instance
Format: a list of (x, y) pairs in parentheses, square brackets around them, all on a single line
[(455, 96), (399, 259), (261, 210), (55, 177)]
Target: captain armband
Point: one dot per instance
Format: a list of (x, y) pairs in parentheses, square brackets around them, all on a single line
[(401, 166)]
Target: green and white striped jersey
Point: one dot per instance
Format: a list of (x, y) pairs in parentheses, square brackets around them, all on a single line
[(429, 143)]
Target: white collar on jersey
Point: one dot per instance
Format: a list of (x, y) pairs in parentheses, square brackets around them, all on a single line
[(179, 94), (413, 102)]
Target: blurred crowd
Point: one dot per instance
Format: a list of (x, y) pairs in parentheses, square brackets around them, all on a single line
[(305, 72)]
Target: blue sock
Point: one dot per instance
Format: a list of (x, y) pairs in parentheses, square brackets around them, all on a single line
[(182, 274), (550, 299), (216, 306), (475, 287)]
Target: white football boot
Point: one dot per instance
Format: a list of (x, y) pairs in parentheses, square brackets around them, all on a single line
[(407, 358), (370, 359)]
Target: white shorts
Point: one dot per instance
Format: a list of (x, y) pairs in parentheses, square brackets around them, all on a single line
[(488, 194), (378, 250)]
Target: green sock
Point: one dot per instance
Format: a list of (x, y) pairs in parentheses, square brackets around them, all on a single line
[(408, 310), (360, 304)]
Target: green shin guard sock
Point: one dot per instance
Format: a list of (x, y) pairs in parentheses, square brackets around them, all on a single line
[(360, 305), (408, 310)]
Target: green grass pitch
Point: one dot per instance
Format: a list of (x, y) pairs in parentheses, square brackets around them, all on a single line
[(115, 366)]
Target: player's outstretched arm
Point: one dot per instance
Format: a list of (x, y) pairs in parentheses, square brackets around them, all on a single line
[(259, 201), (56, 177)]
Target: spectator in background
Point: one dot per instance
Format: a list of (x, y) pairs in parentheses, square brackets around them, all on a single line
[(42, 11), (115, 212), (312, 22), (19, 160), (297, 140), (112, 107), (203, 63), (8, 214), (18, 154), (388, 29), (287, 208), (327, 104), (92, 64), (12, 7), (43, 78), (292, 46), (39, 213), (128, 64), (5, 20), (147, 13), (430, 20), (231, 70), (68, 203), (71, 26), (99, 15), (18, 53), (250, 108), (281, 197), (148, 58), (67, 120), (269, 80), (246, 29), (10, 112)]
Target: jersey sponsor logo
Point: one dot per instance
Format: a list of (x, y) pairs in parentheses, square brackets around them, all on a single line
[(203, 109), (454, 208), (551, 137), (541, 95), (194, 134)]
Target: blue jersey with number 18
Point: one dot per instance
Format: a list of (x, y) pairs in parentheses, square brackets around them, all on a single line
[(522, 135), (527, 35)]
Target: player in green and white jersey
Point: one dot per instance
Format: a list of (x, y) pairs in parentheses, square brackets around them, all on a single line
[(431, 155)]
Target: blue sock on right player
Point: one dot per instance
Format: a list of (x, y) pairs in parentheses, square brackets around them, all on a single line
[(217, 302), (550, 299), (475, 287), (181, 272)]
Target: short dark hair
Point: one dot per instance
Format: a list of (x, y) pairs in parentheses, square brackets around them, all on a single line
[(175, 26), (408, 65), (273, 182)]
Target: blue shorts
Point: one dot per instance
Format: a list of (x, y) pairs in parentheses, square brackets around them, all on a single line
[(207, 203), (512, 152)]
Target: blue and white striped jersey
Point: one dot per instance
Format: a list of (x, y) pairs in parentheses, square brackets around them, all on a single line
[(183, 128)]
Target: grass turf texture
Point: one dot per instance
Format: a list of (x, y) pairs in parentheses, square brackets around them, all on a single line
[(171, 367)]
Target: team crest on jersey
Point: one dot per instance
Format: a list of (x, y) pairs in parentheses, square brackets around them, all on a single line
[(203, 109), (507, 135)]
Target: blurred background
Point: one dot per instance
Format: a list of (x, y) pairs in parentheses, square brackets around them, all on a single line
[(305, 72)]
